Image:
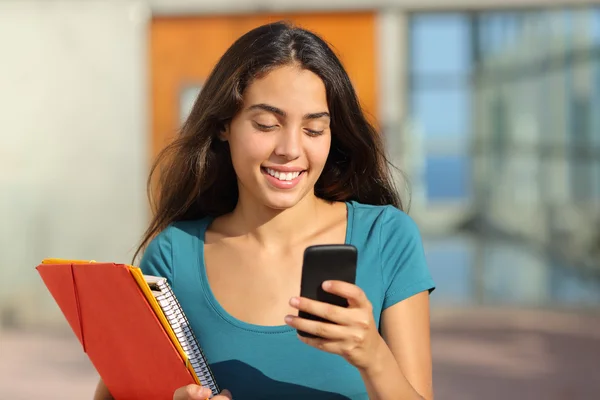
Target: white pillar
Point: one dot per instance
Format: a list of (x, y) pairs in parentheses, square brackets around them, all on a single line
[(401, 136)]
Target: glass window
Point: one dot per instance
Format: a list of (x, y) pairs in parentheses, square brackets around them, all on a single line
[(537, 127), (440, 69), (444, 117), (447, 177), (596, 175), (498, 30), (581, 179), (440, 43), (443, 113), (496, 34), (451, 263), (596, 25), (595, 124), (595, 105)]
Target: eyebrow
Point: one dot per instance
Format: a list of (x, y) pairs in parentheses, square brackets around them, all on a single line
[(281, 113)]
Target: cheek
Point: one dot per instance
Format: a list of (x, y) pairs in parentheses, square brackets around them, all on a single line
[(318, 154), (247, 151)]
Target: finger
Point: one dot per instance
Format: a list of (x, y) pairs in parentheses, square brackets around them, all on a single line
[(321, 344), (322, 329), (356, 296), (192, 392), (330, 312), (203, 393), (225, 394)]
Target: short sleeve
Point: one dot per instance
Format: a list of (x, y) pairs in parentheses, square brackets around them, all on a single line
[(158, 257), (405, 269)]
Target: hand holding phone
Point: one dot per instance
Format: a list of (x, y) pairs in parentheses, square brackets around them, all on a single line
[(352, 332), (322, 263)]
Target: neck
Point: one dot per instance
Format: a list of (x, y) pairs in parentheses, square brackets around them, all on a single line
[(271, 227)]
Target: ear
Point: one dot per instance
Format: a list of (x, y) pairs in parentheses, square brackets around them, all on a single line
[(224, 133)]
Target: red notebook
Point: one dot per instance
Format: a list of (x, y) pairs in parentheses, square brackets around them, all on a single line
[(109, 311)]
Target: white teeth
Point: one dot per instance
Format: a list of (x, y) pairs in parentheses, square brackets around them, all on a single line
[(282, 176)]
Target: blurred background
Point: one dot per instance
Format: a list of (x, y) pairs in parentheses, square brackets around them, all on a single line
[(491, 108)]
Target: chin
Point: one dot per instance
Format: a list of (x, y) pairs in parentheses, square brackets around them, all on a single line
[(281, 202)]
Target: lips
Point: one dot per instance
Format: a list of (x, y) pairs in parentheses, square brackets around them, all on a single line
[(286, 178), (281, 175)]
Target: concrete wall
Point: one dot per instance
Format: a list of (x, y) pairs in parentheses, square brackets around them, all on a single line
[(73, 140)]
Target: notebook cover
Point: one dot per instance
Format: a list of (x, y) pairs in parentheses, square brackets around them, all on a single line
[(137, 274), (120, 333), (59, 281)]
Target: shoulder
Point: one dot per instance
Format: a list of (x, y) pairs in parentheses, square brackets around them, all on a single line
[(158, 255), (173, 232), (387, 221), (396, 239), (179, 230)]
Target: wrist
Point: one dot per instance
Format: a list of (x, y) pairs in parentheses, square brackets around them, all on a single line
[(377, 360)]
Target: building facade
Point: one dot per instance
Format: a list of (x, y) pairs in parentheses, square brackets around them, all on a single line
[(477, 123)]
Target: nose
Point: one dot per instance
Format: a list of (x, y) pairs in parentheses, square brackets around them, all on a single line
[(289, 144)]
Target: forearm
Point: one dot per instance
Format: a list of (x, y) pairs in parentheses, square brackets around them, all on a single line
[(384, 379)]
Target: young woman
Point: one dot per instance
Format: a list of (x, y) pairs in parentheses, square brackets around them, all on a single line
[(275, 156)]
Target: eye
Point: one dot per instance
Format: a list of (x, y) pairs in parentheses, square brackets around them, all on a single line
[(265, 128), (312, 132)]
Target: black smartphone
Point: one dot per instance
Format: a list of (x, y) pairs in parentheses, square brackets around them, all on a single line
[(322, 263)]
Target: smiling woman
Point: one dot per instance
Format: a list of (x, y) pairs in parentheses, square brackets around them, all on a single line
[(275, 156)]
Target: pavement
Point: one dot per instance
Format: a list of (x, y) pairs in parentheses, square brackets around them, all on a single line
[(478, 354), (516, 354)]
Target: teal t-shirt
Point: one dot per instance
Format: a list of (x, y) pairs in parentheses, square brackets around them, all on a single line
[(270, 362)]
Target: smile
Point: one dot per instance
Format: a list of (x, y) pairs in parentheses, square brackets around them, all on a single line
[(282, 176)]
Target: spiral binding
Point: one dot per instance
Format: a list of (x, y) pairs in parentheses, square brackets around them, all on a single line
[(184, 333)]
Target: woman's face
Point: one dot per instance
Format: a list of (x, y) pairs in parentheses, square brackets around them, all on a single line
[(280, 139)]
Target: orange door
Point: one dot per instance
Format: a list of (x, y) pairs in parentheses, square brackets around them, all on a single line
[(184, 50)]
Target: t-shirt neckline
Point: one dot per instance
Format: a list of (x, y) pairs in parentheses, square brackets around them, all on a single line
[(214, 303)]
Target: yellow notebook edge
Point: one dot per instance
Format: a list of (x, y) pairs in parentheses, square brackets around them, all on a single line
[(65, 261), (137, 274), (139, 278)]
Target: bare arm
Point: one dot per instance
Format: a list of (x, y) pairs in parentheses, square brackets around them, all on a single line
[(394, 365), (404, 359), (102, 392)]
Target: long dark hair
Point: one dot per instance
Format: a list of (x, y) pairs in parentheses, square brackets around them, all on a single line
[(197, 178)]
